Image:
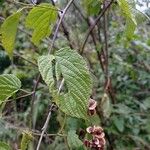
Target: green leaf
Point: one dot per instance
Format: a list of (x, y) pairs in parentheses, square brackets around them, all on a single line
[(73, 139), (9, 30), (130, 28), (77, 79), (92, 6), (9, 84), (26, 139), (130, 17), (106, 106), (41, 19), (4, 146), (126, 9), (119, 123), (45, 68)]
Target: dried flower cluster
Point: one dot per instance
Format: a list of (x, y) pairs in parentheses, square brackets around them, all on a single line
[(92, 107), (98, 141)]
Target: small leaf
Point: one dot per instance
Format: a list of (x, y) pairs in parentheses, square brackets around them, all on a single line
[(106, 106), (9, 84), (4, 146), (9, 30), (73, 139), (26, 138), (41, 19)]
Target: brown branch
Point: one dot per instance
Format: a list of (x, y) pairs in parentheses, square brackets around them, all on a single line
[(39, 134), (18, 55), (33, 131), (45, 126), (23, 96), (51, 50), (106, 44), (108, 84), (78, 9), (93, 26), (66, 32)]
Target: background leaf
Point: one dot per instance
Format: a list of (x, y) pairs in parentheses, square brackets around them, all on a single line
[(41, 20), (4, 146), (9, 30), (119, 123), (106, 106), (130, 17), (26, 139), (73, 139), (92, 6), (9, 84)]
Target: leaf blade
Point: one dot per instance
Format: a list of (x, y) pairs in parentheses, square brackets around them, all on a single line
[(73, 139), (9, 84), (41, 19), (9, 31)]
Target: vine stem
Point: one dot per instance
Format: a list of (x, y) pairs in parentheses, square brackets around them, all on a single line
[(58, 25), (93, 25), (61, 85), (45, 127), (48, 118)]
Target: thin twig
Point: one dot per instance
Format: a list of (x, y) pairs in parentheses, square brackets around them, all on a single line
[(106, 44), (18, 55), (33, 131), (45, 127), (57, 134), (93, 25), (33, 100), (58, 25), (23, 96), (48, 118), (66, 33)]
